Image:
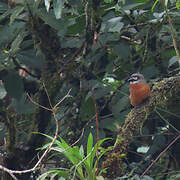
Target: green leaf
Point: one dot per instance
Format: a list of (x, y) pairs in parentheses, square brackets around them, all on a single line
[(14, 85), (114, 25), (89, 149), (178, 4), (150, 71), (72, 43), (90, 143), (102, 91), (58, 7), (30, 59), (120, 105), (109, 123), (166, 2), (173, 60), (53, 173), (100, 178), (16, 43), (81, 151), (87, 109), (22, 106), (159, 142), (50, 19), (6, 14), (8, 33), (108, 1), (77, 27), (3, 7), (132, 6), (122, 50), (16, 13), (152, 9)]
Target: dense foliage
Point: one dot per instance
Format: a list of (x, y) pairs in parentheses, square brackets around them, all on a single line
[(90, 47)]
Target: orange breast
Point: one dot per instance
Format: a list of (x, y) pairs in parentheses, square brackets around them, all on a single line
[(138, 93)]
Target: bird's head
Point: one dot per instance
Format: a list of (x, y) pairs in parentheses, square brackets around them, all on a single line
[(136, 78)]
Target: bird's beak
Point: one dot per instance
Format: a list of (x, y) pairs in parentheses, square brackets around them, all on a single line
[(130, 79)]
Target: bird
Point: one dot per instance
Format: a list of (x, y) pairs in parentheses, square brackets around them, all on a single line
[(139, 89)]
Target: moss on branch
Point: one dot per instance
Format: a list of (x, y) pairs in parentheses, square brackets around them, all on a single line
[(162, 92)]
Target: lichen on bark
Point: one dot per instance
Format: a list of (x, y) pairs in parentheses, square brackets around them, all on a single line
[(161, 94)]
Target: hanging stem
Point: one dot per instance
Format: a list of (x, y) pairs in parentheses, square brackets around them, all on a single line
[(173, 34), (97, 128)]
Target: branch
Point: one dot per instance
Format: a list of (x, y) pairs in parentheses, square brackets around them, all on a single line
[(53, 110), (161, 93), (173, 34), (21, 67), (160, 155)]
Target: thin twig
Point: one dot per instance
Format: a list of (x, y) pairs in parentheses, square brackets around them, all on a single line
[(97, 128), (67, 95), (167, 122), (53, 110), (160, 155), (8, 171), (38, 104), (47, 95), (173, 34)]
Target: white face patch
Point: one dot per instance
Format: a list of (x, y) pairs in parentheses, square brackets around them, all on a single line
[(134, 82)]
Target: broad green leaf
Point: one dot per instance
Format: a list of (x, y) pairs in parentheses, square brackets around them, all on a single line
[(102, 91), (114, 25), (109, 123), (30, 59), (14, 85), (166, 2), (58, 7), (120, 105), (159, 143), (50, 19), (8, 33), (78, 27), (72, 42), (150, 71), (108, 37), (173, 60), (22, 106), (16, 43), (122, 50)]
